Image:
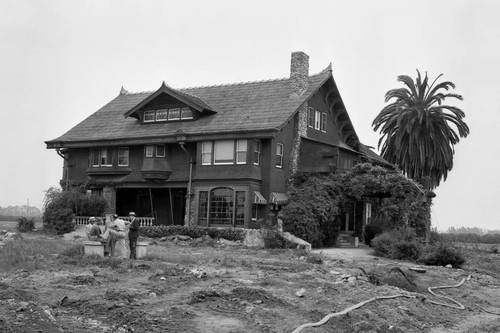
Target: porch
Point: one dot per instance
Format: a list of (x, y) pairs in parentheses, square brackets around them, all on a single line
[(84, 220)]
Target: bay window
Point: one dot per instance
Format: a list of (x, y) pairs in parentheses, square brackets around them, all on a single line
[(223, 152), (221, 206)]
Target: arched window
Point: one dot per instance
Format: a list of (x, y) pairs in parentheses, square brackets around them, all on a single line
[(222, 206)]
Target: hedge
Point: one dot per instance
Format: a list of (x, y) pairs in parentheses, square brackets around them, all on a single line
[(158, 231)]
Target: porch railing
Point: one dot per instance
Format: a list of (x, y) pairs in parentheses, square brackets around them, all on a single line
[(145, 221)]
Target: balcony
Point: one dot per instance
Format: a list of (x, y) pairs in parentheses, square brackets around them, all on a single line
[(156, 169)]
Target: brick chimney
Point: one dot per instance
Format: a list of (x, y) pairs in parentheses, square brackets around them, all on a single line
[(299, 72)]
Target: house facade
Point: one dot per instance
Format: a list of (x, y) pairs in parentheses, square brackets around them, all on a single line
[(212, 156)]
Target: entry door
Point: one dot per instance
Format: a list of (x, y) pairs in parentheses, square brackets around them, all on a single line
[(348, 224), (179, 206)]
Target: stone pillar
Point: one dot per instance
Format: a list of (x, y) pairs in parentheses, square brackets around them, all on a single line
[(109, 193), (299, 131)]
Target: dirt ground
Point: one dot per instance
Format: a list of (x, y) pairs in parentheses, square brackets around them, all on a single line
[(195, 286)]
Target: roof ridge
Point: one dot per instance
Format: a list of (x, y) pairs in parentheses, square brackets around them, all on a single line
[(183, 89)]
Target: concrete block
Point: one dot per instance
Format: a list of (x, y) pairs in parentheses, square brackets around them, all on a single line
[(94, 248), (141, 249)]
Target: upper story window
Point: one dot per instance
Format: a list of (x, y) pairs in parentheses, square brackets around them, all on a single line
[(256, 152), (323, 122), (279, 155), (317, 120), (123, 156), (102, 157), (224, 152), (152, 149), (173, 114)]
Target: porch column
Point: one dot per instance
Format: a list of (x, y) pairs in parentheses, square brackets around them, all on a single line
[(109, 193)]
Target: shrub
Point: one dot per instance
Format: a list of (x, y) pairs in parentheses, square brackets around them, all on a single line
[(372, 229), (442, 254), (25, 224), (400, 244), (158, 231), (274, 240), (59, 220)]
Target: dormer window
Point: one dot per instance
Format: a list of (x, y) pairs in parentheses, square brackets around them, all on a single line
[(173, 114), (149, 116)]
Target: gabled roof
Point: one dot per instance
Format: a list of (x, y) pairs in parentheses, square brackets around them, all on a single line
[(189, 100), (374, 157), (242, 107)]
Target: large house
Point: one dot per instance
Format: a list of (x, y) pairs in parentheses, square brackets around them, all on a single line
[(217, 155)]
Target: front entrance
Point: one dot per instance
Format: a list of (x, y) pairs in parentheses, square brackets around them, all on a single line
[(348, 221), (166, 205)]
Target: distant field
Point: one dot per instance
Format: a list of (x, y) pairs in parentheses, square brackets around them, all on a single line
[(477, 246), (11, 225)]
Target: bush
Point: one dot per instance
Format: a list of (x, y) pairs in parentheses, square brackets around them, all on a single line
[(59, 221), (274, 240), (158, 231), (400, 244), (442, 254), (25, 224), (372, 229)]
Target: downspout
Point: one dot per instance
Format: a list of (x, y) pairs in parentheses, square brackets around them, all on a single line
[(58, 151), (189, 182)]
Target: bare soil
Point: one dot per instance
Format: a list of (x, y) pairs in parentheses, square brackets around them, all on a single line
[(198, 286)]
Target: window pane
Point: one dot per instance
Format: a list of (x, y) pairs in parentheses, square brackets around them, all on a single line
[(240, 208), (160, 150), (254, 212), (161, 115), (122, 156), (224, 152), (256, 152), (310, 121), (203, 208), (317, 120), (149, 116), (241, 151), (323, 122), (95, 157), (174, 114), (221, 206), (206, 152), (150, 151), (279, 155), (187, 113)]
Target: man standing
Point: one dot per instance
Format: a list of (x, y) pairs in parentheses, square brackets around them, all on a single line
[(133, 234), (118, 233)]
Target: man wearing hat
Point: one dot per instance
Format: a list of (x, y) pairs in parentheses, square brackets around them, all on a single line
[(133, 234)]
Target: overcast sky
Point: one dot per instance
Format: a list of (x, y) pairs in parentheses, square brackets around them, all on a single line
[(60, 61)]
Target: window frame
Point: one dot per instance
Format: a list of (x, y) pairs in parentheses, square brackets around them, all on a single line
[(174, 110), (317, 120), (157, 150), (223, 161), (214, 209), (96, 156), (239, 151), (187, 117), (257, 149), (161, 111), (255, 212), (311, 117), (207, 153), (149, 151), (279, 155), (123, 149), (109, 157), (323, 122), (151, 112)]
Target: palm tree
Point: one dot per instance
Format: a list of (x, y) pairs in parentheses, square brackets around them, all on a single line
[(418, 131)]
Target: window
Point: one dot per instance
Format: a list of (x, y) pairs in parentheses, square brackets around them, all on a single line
[(368, 213), (256, 152), (150, 151), (203, 208), (279, 155), (186, 113), (161, 115), (160, 150), (106, 157), (241, 151), (95, 157), (224, 152), (221, 206), (323, 122), (254, 212), (310, 118), (206, 152), (317, 120), (122, 156), (174, 114), (149, 116)]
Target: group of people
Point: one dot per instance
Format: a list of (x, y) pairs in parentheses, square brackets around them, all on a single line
[(115, 234)]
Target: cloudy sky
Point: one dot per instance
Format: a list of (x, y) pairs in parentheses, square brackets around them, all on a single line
[(62, 60)]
